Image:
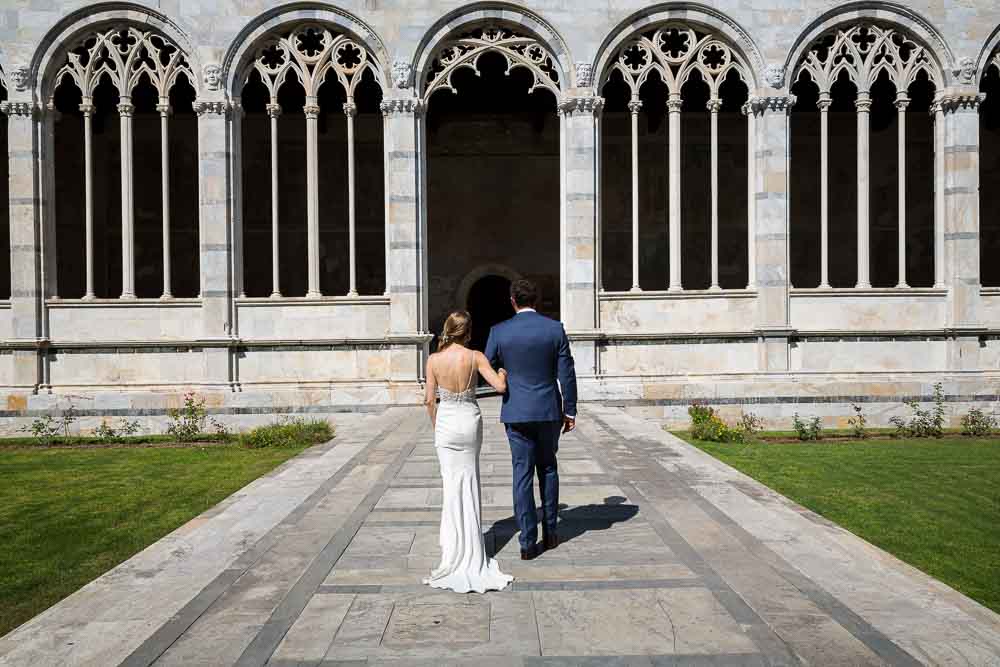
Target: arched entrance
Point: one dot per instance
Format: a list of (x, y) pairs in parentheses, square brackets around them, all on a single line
[(493, 184), (488, 304)]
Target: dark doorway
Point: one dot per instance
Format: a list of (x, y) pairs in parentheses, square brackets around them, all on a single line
[(493, 190), (488, 304)]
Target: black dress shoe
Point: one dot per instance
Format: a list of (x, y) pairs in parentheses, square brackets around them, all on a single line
[(551, 541), (529, 553)]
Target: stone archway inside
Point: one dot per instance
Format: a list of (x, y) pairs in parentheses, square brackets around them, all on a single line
[(493, 174)]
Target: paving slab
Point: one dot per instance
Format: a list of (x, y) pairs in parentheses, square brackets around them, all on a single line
[(669, 557)]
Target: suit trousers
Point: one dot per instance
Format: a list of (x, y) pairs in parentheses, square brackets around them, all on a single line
[(533, 447)]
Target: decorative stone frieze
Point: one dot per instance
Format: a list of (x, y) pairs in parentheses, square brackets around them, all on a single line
[(407, 105), (211, 108), (18, 108), (962, 101), (581, 105), (774, 103)]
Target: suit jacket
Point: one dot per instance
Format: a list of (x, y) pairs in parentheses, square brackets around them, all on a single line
[(535, 351)]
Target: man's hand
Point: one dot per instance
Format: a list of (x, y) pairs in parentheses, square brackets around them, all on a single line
[(569, 423)]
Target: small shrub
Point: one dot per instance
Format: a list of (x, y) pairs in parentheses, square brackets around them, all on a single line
[(46, 429), (750, 425), (858, 423), (808, 431), (923, 423), (187, 423), (708, 426), (108, 433), (977, 423), (67, 419), (288, 433)]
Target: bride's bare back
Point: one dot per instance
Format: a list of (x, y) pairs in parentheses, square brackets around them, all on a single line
[(454, 369)]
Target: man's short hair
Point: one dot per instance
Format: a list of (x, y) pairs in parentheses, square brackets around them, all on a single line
[(524, 293)]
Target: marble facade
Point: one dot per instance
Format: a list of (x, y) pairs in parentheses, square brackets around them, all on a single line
[(769, 346)]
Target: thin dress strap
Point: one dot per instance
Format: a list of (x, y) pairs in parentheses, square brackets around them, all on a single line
[(472, 373)]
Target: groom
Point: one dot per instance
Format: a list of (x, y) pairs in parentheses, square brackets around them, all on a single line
[(535, 351)]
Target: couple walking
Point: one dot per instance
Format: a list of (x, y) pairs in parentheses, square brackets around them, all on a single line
[(525, 358)]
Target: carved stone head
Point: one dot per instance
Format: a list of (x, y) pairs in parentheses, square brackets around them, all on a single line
[(401, 71), (213, 77), (774, 75), (965, 70), (19, 77)]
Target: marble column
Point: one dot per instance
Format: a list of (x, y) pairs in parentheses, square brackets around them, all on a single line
[(164, 108), (125, 110), (902, 102), (350, 111), (961, 226), (406, 236), (273, 112), (216, 239), (863, 105), (26, 288), (674, 187), (772, 225), (634, 106), (311, 110), (940, 130), (87, 109), (714, 105), (751, 195), (824, 193), (579, 242)]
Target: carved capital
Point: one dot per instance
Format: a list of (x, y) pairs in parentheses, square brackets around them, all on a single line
[(402, 72), (350, 109), (902, 101), (674, 103), (962, 101), (714, 105), (87, 107), (404, 105), (216, 108), (164, 108), (126, 109), (584, 75), (571, 106), (634, 105), (23, 109), (864, 103), (824, 102), (772, 104), (273, 109), (20, 77), (311, 111)]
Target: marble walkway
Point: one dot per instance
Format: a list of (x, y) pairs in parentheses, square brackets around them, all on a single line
[(669, 558)]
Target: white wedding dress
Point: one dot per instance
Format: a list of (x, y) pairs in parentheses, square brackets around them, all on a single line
[(458, 437)]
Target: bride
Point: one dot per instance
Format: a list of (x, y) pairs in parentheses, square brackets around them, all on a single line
[(458, 435)]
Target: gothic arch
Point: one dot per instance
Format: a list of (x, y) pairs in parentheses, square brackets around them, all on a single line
[(239, 57), (517, 19), (693, 14), (989, 56), (51, 55), (891, 15)]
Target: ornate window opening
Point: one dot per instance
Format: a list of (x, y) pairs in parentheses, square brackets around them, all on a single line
[(863, 142), (675, 92), (519, 51), (327, 181), (989, 174), (125, 123), (494, 150), (4, 191)]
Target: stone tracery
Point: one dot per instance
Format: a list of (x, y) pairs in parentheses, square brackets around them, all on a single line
[(518, 50)]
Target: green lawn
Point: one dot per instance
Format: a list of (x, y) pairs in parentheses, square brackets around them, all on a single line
[(932, 503), (69, 515)]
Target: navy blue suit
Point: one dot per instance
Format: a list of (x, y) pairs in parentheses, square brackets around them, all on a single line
[(535, 351)]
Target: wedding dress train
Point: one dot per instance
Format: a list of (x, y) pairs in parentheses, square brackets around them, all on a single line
[(458, 437)]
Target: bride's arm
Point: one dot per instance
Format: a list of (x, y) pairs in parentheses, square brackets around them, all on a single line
[(430, 392), (497, 380)]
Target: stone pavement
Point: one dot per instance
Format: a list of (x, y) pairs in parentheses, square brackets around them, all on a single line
[(669, 558)]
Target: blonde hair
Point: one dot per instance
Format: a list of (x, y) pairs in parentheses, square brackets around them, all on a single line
[(457, 329)]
